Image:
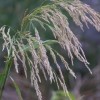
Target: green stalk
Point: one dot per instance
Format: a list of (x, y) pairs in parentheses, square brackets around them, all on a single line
[(4, 75)]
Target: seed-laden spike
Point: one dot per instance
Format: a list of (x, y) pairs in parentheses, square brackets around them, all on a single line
[(50, 15), (43, 57)]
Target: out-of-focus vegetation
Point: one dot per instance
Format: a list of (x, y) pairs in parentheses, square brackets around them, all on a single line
[(13, 11), (60, 95)]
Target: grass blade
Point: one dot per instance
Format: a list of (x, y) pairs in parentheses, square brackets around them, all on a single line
[(17, 89), (4, 75)]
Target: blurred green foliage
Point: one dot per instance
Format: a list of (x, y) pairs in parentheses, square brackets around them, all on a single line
[(60, 95), (13, 11)]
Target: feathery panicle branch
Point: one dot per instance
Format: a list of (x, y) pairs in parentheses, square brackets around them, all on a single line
[(26, 43)]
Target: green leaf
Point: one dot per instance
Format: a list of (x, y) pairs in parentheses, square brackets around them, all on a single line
[(4, 75), (50, 42), (17, 89), (36, 45), (60, 95)]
